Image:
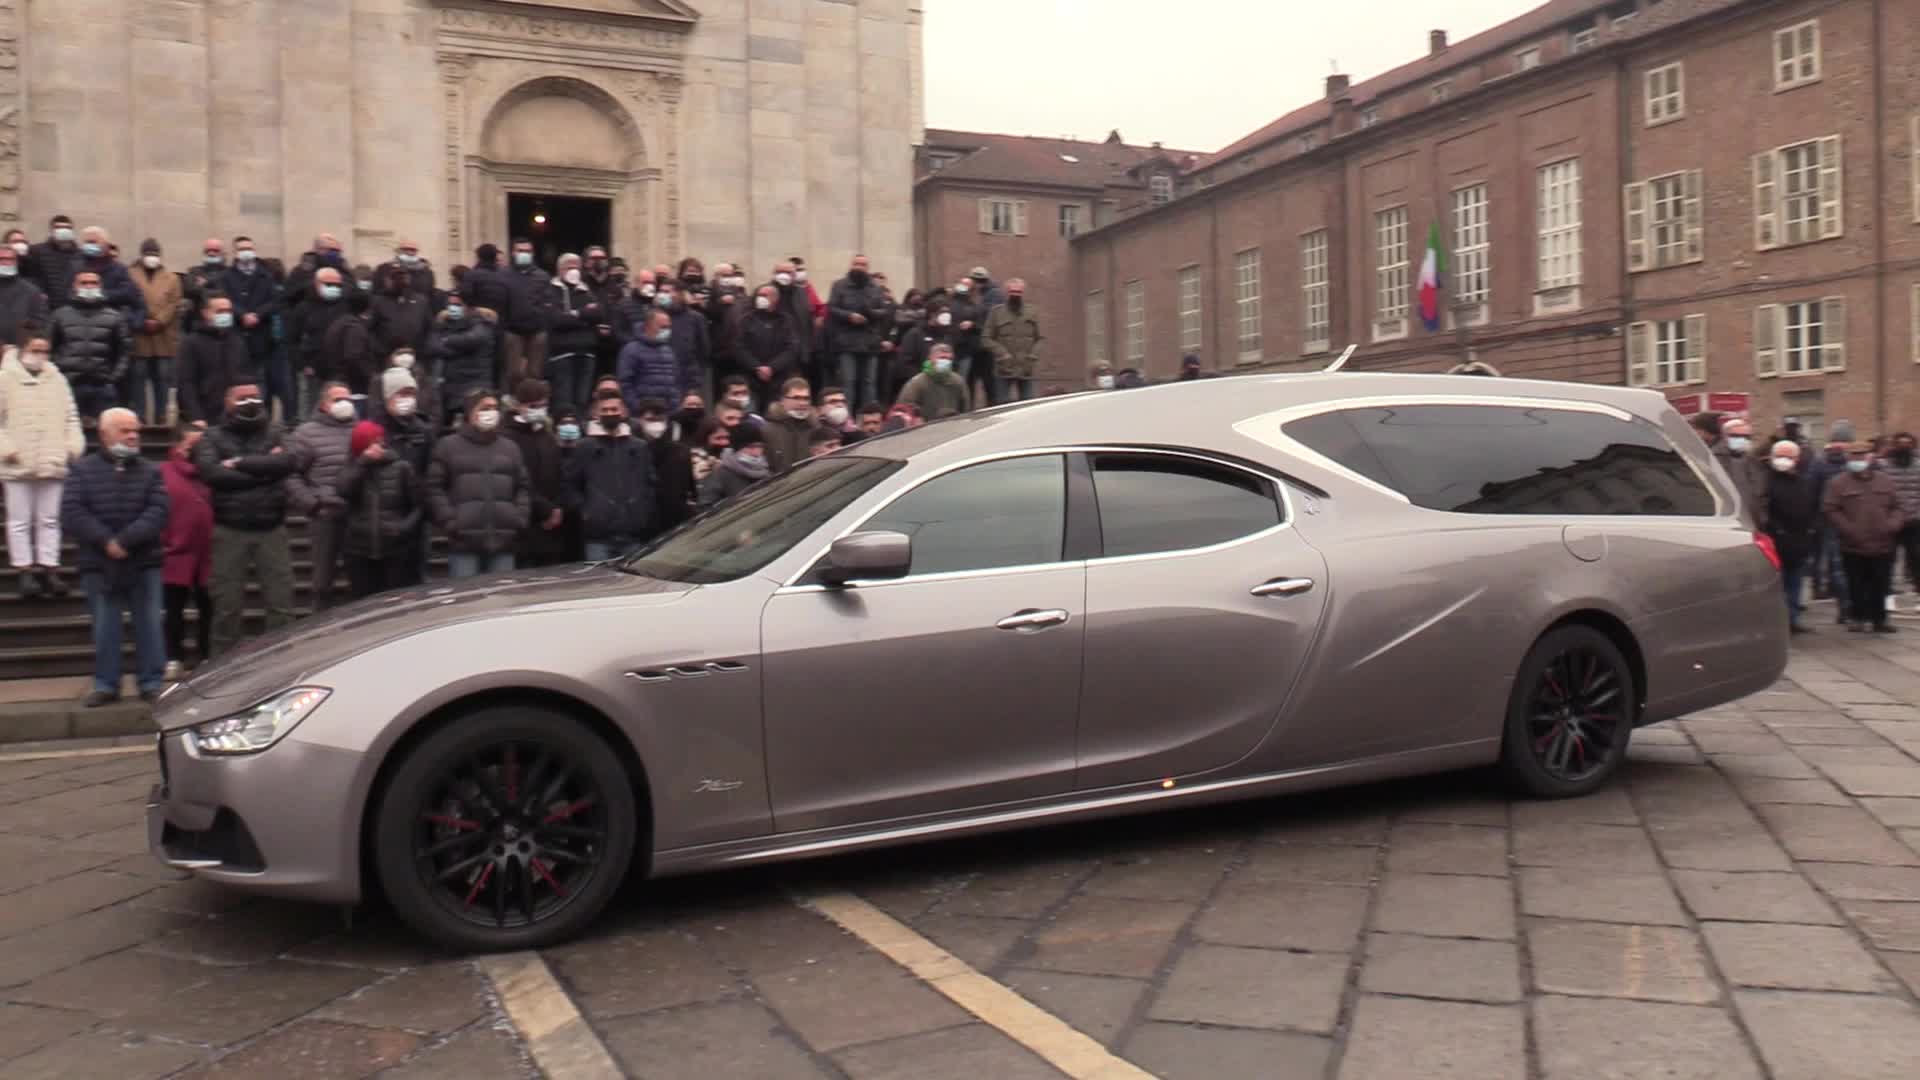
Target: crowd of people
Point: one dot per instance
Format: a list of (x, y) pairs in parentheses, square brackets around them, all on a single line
[(1839, 515), (530, 416)]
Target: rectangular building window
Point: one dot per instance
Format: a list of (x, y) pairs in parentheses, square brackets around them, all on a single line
[(1664, 221), (1003, 217), (1798, 194), (1442, 90), (1559, 224), (1802, 338), (1308, 140), (1526, 59), (1069, 220), (1096, 327), (1136, 311), (1162, 189), (1471, 245), (1667, 352), (1584, 37), (1369, 117), (1314, 300), (1666, 94), (1246, 302), (1190, 320), (1796, 55), (1390, 272)]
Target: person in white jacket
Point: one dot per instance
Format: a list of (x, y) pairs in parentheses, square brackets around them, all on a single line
[(39, 437)]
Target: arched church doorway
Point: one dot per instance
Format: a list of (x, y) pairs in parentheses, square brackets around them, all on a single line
[(559, 224)]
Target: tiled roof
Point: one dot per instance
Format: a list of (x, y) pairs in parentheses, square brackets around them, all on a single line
[(1031, 159)]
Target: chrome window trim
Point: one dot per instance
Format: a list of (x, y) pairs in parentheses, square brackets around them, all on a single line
[(1268, 429), (1280, 485)]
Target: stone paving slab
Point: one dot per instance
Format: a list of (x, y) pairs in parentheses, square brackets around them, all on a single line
[(1745, 902)]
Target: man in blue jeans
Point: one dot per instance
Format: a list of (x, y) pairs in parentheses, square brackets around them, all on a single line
[(115, 508)]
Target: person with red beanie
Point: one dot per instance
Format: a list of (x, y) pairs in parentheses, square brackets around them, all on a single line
[(384, 503)]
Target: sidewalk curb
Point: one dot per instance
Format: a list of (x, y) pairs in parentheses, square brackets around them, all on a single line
[(41, 721)]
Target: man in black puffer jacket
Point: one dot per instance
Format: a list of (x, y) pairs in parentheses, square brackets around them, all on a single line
[(91, 346), (611, 481), (55, 260), (214, 357), (115, 508), (531, 429), (477, 491), (21, 301), (244, 463), (463, 346)]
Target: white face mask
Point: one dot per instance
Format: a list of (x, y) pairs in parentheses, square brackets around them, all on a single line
[(1784, 464), (1104, 382), (653, 429), (246, 257), (764, 303), (835, 415), (571, 277), (402, 406), (799, 412), (963, 288), (9, 270), (341, 410), (486, 419), (151, 262), (87, 294), (21, 247), (1738, 443), (945, 318), (34, 362), (944, 364), (403, 361), (647, 291), (783, 278), (799, 275)]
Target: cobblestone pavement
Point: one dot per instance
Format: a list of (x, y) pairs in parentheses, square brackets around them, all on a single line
[(1745, 903)]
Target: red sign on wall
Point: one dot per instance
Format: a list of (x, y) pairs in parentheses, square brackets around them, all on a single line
[(1694, 404)]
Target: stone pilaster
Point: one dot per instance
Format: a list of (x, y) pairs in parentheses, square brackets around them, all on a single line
[(12, 113)]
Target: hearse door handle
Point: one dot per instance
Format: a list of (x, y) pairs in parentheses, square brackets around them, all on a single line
[(1033, 620), (1286, 586)]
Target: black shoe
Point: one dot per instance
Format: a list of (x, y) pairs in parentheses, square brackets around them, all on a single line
[(56, 585), (28, 583), (1798, 627), (97, 698), (1883, 628)]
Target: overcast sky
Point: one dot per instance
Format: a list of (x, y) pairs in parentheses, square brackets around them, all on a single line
[(1193, 74)]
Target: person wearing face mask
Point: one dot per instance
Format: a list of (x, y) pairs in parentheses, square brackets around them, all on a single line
[(571, 339), (256, 304), (737, 394), (187, 568), (911, 313), (611, 484), (790, 299), (308, 323), (630, 311), (298, 288), (91, 346), (691, 345), (860, 315), (201, 278), (1731, 449), (710, 440), (491, 286), (1899, 464), (320, 452), (836, 417), (409, 435), (1862, 506), (939, 391), (156, 341), (741, 465), (768, 348), (692, 410), (114, 507), (478, 491), (40, 437), (349, 353), (21, 301), (213, 357), (398, 315), (789, 423), (1793, 515), (386, 503), (911, 359), (1013, 336), (530, 426), (726, 309), (648, 367), (672, 466), (526, 332), (22, 248), (1100, 376), (463, 348), (99, 254), (245, 464), (407, 260), (55, 260), (969, 309)]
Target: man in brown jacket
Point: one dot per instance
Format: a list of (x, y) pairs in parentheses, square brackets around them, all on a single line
[(1862, 506), (157, 340)]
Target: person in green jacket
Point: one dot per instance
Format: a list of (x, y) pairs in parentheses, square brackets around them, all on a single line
[(937, 391)]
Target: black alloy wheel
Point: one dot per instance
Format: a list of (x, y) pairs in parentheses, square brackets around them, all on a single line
[(510, 828), (1571, 716)]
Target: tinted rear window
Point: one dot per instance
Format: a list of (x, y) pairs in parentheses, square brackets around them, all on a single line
[(1494, 459)]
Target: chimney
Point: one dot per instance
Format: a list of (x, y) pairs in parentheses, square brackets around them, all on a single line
[(1436, 42), (1336, 87), (1342, 98)]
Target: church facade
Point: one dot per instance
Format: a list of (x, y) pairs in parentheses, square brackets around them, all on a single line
[(728, 129)]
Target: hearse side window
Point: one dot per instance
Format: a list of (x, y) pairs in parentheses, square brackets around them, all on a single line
[(1502, 459), (1155, 502)]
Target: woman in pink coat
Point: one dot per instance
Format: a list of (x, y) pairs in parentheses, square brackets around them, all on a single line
[(189, 557)]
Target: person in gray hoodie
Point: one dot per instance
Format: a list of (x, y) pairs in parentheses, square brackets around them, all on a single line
[(740, 467), (320, 449)]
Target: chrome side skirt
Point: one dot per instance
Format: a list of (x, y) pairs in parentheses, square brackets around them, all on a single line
[(1133, 799)]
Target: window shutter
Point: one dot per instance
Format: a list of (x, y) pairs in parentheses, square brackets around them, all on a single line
[(986, 215), (1694, 185), (1766, 207), (1832, 221), (1833, 332), (1635, 198), (1696, 330), (1639, 354), (1020, 218), (1766, 337)]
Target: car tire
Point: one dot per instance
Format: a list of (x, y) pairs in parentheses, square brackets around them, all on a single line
[(1571, 715), (443, 795)]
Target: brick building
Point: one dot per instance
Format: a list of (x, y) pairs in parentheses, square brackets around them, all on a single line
[(1014, 203), (1696, 195)]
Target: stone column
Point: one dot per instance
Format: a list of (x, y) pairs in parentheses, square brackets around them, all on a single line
[(171, 165), (316, 121), (831, 129), (12, 113), (244, 100), (888, 97), (453, 109), (777, 115)]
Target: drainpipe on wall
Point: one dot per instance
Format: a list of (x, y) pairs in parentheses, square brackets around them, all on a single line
[(1623, 104), (1879, 223), (1211, 341)]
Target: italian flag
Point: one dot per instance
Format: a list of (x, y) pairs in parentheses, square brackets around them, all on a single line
[(1434, 265)]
